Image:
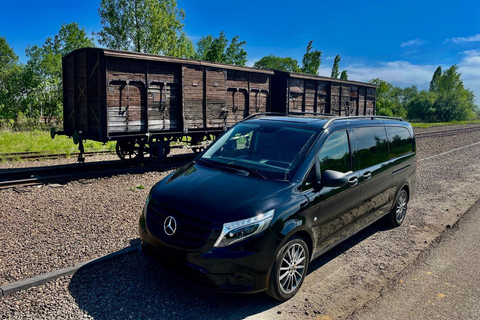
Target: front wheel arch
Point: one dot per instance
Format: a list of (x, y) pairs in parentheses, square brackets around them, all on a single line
[(289, 268)]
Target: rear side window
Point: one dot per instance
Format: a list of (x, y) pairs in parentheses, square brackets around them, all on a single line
[(401, 143), (372, 147)]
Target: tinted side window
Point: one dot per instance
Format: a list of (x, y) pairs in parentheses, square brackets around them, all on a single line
[(400, 141), (372, 147), (335, 153)]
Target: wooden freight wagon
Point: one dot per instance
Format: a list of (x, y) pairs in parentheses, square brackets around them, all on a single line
[(145, 101), (301, 93)]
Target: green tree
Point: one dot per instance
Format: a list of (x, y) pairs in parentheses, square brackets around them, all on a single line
[(452, 105), (453, 101), (220, 50), (434, 84), (16, 83), (45, 64), (408, 94), (344, 75), (421, 107), (47, 59), (150, 26), (8, 58), (311, 60), (335, 68), (277, 63), (388, 99)]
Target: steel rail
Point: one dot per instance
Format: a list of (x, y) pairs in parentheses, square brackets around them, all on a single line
[(446, 132), (38, 155), (10, 178)]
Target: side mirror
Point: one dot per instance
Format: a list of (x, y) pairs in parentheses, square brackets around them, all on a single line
[(333, 179)]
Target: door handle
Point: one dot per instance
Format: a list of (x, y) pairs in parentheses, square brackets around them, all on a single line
[(367, 175), (353, 181)]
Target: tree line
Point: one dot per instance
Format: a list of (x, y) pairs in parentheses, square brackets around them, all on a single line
[(445, 100), (34, 89)]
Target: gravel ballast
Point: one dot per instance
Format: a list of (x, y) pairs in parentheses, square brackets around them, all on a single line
[(47, 228)]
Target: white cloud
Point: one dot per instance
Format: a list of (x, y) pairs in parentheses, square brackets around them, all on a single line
[(469, 67), (414, 42), (474, 38), (405, 74), (398, 73), (251, 62)]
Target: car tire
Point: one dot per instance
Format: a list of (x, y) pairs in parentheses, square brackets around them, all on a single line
[(396, 216), (289, 269)]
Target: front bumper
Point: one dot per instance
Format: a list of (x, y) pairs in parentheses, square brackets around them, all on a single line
[(240, 268)]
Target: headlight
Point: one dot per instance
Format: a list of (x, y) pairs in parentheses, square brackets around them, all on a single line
[(238, 230)]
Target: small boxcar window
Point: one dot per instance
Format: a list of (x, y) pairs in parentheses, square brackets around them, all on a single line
[(400, 141), (372, 147)]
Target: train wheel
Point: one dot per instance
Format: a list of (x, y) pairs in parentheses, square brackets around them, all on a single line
[(155, 151), (129, 150)]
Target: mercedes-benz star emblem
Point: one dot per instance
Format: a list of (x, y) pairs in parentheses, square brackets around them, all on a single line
[(170, 225)]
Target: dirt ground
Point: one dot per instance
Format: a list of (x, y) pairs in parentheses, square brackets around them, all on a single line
[(338, 282)]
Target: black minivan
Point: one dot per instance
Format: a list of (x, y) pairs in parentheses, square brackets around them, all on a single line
[(274, 192)]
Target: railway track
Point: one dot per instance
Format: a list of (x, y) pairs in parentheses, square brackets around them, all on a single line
[(441, 133), (36, 155), (10, 178), (13, 178)]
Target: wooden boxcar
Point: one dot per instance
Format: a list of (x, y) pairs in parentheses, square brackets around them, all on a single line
[(145, 101), (293, 92)]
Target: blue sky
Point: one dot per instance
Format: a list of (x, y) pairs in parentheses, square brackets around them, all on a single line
[(402, 42)]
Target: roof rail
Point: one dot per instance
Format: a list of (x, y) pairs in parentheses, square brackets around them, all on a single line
[(264, 114), (312, 113), (280, 114), (360, 117)]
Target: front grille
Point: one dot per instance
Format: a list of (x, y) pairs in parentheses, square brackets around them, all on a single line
[(192, 233)]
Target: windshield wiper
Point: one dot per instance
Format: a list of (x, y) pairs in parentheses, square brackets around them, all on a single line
[(215, 164), (248, 170), (231, 166), (208, 163)]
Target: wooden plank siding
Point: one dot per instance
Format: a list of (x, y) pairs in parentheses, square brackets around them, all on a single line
[(259, 89), (237, 96), (370, 105), (164, 97), (69, 114), (305, 94), (216, 95), (193, 96)]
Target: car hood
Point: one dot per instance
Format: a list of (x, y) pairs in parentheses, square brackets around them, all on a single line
[(218, 196)]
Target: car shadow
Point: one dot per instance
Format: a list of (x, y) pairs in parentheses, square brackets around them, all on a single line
[(132, 286), (378, 226)]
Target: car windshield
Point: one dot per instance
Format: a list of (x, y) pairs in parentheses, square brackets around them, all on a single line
[(269, 150)]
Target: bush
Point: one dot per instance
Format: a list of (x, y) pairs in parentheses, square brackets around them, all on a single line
[(6, 124)]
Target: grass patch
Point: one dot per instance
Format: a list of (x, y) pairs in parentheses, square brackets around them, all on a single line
[(435, 124), (40, 141), (139, 187)]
